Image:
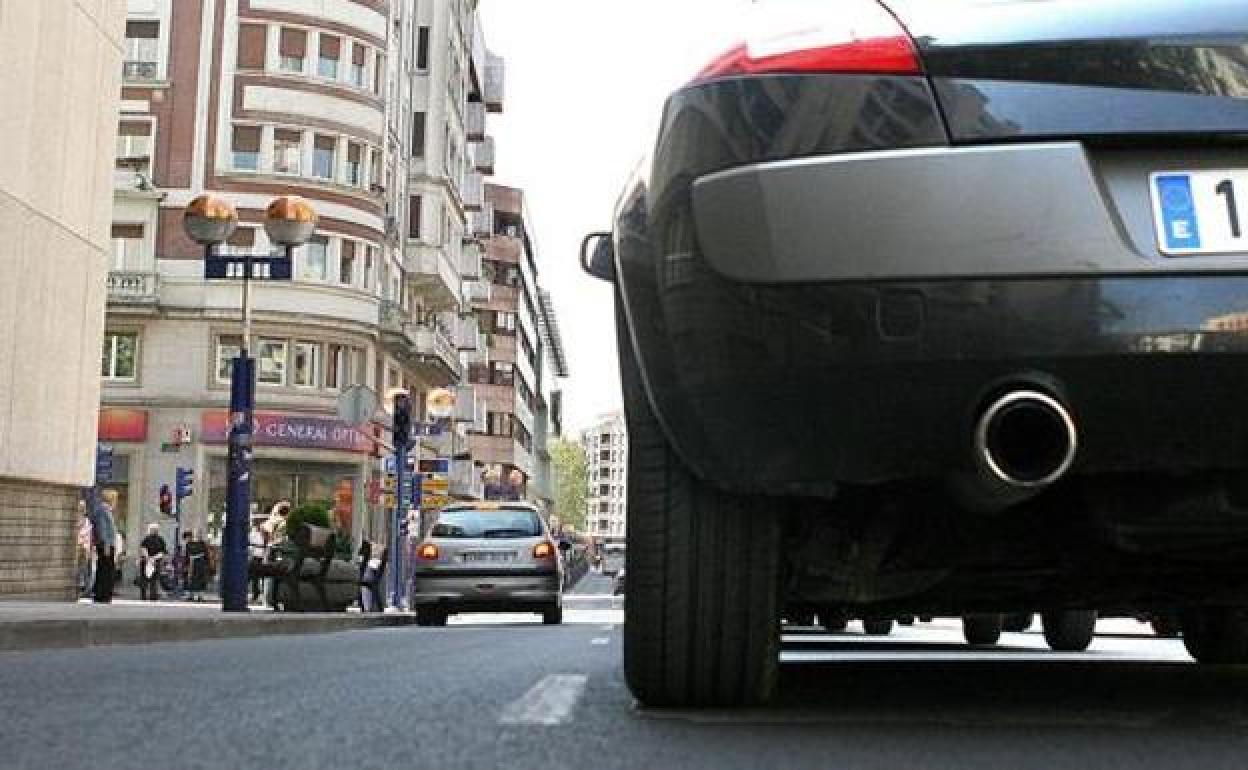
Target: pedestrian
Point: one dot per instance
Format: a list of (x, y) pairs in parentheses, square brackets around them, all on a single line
[(105, 535), (256, 542), (119, 559), (152, 552), (275, 530), (196, 554), (86, 552)]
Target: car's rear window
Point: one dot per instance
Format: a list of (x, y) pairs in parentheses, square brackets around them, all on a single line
[(502, 523)]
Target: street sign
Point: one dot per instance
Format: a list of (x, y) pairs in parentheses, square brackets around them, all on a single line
[(357, 405), (262, 268), (103, 463)]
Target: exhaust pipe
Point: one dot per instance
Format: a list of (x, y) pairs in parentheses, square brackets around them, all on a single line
[(1025, 440)]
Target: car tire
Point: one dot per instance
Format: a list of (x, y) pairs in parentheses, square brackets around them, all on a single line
[(1069, 630), (982, 630), (430, 616), (1217, 635), (877, 626), (701, 624), (552, 616), (1017, 622)]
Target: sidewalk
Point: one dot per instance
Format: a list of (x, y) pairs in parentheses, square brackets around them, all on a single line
[(52, 625)]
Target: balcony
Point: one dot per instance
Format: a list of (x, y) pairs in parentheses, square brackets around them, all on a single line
[(466, 480), (467, 333), (482, 222), (140, 70), (395, 328), (477, 292), (431, 272), (470, 261), (495, 82), (133, 288), (483, 156), (474, 191), (469, 408), (474, 121), (437, 356)]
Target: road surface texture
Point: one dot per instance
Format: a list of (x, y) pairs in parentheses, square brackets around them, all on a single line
[(507, 692)]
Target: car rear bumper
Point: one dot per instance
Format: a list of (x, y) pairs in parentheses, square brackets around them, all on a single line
[(485, 590)]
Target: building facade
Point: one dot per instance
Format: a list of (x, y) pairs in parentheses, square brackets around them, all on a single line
[(606, 452), (252, 99), (55, 195)]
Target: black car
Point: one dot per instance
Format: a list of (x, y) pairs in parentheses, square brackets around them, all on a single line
[(937, 308)]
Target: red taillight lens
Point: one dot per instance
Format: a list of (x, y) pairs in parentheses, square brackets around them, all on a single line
[(543, 551), (819, 37), (428, 552)]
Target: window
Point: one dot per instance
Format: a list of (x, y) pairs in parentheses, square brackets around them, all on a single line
[(418, 135), (498, 424), (252, 46), (287, 152), (335, 372), (330, 52), (315, 259), (134, 142), (246, 148), (503, 373), (378, 73), (604, 490), (119, 359), (293, 48), (346, 264), (505, 323), (323, 153), (127, 247), (355, 166), (228, 349), (307, 365), (271, 362), (359, 74), (370, 259), (413, 216), (142, 50), (422, 49), (241, 241)]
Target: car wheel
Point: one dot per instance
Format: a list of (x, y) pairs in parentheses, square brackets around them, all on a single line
[(701, 624), (878, 626), (833, 621), (552, 616), (1069, 630), (1017, 622), (430, 616), (981, 630), (1217, 635)]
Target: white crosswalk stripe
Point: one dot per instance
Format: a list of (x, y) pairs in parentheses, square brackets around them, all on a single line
[(549, 702)]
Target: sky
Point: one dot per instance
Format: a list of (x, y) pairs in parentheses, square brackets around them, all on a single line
[(586, 82)]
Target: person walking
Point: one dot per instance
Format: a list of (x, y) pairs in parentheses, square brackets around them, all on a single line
[(275, 530), (256, 542), (86, 552), (104, 532), (152, 551), (195, 552)]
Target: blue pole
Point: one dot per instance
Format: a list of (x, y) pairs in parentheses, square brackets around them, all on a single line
[(238, 491), (396, 550)]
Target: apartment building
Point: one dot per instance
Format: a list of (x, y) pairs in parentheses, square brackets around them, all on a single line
[(522, 406), (252, 99), (606, 450)]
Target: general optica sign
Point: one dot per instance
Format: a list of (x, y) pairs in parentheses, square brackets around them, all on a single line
[(288, 430)]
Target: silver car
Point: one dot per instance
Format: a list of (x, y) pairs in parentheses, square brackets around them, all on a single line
[(487, 557)]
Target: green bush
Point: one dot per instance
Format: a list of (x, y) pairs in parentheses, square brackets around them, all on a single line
[(317, 514)]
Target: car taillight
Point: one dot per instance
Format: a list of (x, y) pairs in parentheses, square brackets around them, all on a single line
[(816, 36), (428, 552), (543, 551)]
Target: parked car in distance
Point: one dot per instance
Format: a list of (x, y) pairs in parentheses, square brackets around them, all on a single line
[(487, 557)]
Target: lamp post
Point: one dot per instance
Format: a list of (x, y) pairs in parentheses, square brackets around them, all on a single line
[(210, 220)]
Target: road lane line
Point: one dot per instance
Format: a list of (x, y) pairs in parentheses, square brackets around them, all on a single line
[(549, 702), (600, 640)]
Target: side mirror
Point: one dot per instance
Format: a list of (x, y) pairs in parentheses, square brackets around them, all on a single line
[(598, 256)]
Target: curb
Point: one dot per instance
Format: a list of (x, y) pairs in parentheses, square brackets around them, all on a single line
[(30, 635)]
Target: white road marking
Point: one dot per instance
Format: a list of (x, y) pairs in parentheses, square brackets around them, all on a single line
[(609, 627), (600, 640), (549, 702)]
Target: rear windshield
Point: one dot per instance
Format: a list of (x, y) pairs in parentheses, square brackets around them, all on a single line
[(488, 524)]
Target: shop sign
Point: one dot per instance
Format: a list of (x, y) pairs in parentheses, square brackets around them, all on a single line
[(288, 430), (127, 425)]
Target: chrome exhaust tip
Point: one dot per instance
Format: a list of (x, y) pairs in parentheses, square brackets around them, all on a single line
[(1026, 439)]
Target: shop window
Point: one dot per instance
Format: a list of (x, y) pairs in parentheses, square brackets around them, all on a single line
[(271, 362), (306, 372), (119, 358)]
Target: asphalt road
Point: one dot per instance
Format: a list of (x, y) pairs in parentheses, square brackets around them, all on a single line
[(506, 692)]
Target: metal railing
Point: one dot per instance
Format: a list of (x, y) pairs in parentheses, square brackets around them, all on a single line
[(432, 341)]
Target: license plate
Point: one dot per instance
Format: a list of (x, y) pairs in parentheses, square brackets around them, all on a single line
[(1201, 212), (489, 557)]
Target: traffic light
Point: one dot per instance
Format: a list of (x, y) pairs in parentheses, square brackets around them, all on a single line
[(185, 483), (402, 420), (166, 500)]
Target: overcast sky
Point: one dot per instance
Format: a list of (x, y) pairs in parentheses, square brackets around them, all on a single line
[(586, 80)]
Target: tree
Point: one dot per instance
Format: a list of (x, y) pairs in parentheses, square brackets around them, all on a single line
[(571, 482)]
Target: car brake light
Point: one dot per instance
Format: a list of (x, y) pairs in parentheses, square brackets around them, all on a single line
[(801, 36), (428, 552), (543, 551)]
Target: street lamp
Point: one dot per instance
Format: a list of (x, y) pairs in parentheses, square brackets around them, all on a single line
[(210, 220)]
